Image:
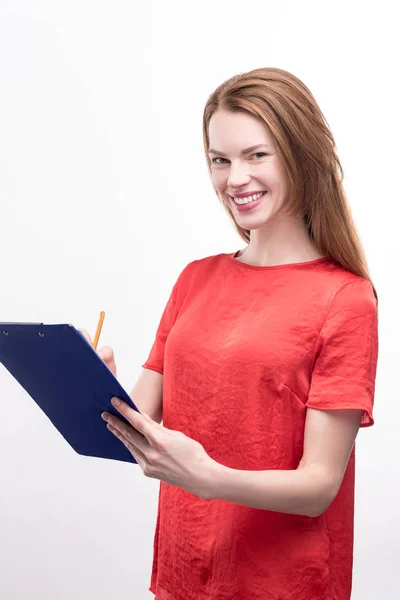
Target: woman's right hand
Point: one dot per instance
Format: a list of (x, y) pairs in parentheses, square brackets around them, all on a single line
[(106, 353)]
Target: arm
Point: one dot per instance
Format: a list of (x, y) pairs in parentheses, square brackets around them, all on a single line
[(147, 393), (309, 490)]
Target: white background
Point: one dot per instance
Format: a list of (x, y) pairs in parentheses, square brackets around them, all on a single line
[(105, 197)]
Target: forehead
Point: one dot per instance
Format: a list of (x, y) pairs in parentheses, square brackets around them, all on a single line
[(237, 130)]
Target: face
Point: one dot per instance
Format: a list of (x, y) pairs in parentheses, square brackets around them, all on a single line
[(234, 171)]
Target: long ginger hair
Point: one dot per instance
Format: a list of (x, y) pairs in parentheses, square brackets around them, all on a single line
[(307, 148)]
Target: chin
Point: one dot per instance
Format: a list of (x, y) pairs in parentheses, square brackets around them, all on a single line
[(253, 226)]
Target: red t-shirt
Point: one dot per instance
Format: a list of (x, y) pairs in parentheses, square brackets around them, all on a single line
[(244, 350)]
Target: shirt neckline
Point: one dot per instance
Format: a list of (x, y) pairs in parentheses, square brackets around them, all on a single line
[(240, 264)]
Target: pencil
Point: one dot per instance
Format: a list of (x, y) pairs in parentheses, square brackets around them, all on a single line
[(98, 330)]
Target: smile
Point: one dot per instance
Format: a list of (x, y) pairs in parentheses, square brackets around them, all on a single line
[(248, 198)]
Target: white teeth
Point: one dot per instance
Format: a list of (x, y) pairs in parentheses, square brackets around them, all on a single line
[(248, 198)]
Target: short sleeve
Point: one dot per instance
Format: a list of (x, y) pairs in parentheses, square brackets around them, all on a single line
[(344, 371), (155, 360)]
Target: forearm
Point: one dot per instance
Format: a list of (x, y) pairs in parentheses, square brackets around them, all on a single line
[(154, 412), (300, 492)]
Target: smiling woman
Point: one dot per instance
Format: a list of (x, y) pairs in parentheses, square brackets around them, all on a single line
[(262, 398), (305, 213)]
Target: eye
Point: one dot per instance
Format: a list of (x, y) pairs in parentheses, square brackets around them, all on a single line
[(214, 160)]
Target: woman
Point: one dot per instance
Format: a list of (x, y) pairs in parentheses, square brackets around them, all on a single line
[(263, 366)]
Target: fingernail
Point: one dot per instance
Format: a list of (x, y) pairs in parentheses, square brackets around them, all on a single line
[(115, 402)]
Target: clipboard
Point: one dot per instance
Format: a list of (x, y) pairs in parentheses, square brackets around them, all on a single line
[(68, 380)]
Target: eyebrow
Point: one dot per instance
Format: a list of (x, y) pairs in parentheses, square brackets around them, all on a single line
[(245, 151)]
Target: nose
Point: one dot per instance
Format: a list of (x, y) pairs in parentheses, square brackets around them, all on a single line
[(238, 176)]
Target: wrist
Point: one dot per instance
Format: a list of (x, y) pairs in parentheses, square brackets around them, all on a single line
[(213, 480)]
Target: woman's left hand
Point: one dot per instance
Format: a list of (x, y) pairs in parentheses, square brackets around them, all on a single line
[(162, 453)]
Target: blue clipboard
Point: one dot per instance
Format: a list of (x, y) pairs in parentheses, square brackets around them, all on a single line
[(68, 380)]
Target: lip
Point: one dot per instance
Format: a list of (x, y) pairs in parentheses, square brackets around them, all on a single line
[(245, 194), (249, 206)]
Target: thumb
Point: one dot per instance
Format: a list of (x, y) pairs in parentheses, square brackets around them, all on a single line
[(86, 335)]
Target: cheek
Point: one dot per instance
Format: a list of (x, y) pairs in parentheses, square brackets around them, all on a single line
[(218, 181), (219, 175)]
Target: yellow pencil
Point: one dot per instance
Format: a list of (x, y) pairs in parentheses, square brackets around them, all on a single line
[(98, 330)]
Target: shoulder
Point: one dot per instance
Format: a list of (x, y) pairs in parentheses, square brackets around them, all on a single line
[(354, 293), (352, 308), (334, 285), (202, 266)]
